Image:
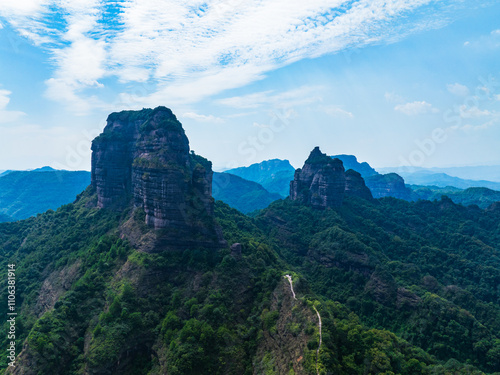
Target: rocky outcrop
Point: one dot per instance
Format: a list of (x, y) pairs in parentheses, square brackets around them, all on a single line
[(388, 185), (142, 159), (236, 250), (355, 185), (351, 162), (320, 183)]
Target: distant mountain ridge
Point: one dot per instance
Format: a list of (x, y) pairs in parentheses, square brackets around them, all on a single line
[(244, 195), (351, 162), (475, 173), (444, 180), (274, 175), (27, 193), (245, 188)]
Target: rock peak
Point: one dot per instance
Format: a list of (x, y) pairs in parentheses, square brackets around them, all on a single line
[(320, 183), (355, 185), (142, 158)]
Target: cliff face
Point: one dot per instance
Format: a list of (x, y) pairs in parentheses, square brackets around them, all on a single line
[(388, 185), (355, 185), (320, 183), (142, 158)]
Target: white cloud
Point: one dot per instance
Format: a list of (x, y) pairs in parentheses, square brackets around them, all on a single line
[(393, 98), (196, 49), (66, 91), (415, 108), (486, 41), (255, 100), (458, 89), (22, 8), (469, 128), (472, 112), (336, 111), (7, 116), (296, 97), (497, 97), (203, 118)]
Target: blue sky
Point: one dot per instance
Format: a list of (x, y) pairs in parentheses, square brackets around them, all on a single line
[(395, 82)]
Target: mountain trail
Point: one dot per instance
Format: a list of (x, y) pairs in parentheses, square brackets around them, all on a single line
[(291, 285), (319, 319)]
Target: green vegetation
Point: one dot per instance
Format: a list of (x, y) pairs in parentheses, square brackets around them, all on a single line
[(426, 271), (480, 196), (317, 157), (402, 288)]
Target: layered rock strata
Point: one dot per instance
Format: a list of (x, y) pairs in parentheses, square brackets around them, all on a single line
[(142, 158), (320, 183), (355, 185)]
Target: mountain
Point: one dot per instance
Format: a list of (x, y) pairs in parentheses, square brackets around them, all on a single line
[(27, 193), (246, 196), (320, 183), (274, 175), (444, 180), (481, 197), (389, 185), (380, 185), (145, 274), (44, 169), (475, 173), (142, 159), (4, 218), (351, 162)]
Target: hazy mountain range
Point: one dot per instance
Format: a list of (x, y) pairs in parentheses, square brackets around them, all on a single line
[(245, 188), (145, 274)]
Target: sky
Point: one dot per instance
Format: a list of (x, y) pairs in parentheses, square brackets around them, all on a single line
[(397, 82)]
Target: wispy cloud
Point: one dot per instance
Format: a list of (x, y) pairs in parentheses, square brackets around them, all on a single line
[(469, 128), (336, 111), (7, 116), (458, 89), (203, 118), (193, 49), (393, 97), (488, 41), (415, 108), (299, 96), (473, 112)]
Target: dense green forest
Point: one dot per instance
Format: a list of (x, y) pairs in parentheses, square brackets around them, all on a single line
[(402, 288), (480, 196)]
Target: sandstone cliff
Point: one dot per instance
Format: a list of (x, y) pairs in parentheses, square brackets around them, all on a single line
[(320, 183), (355, 185), (388, 185), (142, 159)]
